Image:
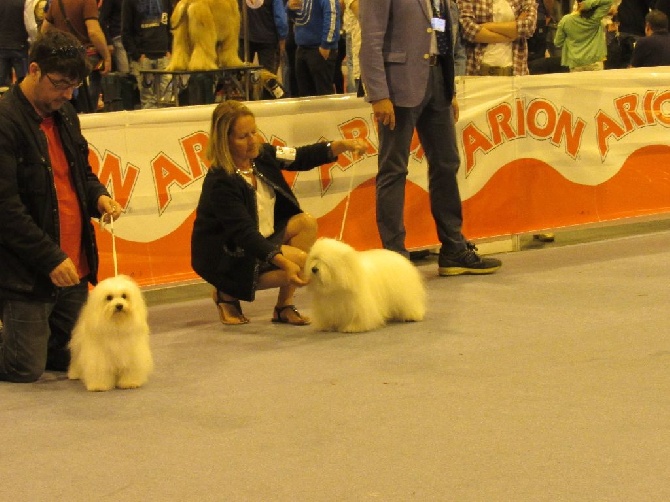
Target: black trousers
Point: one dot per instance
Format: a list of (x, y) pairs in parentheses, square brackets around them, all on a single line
[(314, 73)]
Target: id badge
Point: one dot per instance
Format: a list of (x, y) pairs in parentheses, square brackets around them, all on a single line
[(438, 24)]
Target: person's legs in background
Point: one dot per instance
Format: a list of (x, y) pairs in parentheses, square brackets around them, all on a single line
[(321, 71), (338, 76), (391, 179), (303, 74), (12, 59), (5, 69), (289, 79), (437, 132), (151, 92), (120, 56), (268, 57), (351, 81)]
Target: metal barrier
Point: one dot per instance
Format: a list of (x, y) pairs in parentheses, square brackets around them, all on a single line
[(237, 82)]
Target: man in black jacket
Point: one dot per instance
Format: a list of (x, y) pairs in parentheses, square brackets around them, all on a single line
[(48, 194)]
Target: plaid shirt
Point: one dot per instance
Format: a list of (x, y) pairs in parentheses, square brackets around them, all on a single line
[(476, 12)]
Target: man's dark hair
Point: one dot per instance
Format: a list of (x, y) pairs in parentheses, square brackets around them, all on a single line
[(60, 52), (656, 20)]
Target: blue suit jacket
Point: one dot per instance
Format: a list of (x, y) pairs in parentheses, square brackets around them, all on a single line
[(395, 47), (653, 50)]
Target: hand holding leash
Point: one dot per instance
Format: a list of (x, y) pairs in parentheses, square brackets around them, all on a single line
[(109, 209)]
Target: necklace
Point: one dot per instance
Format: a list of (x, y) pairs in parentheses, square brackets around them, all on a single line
[(245, 172)]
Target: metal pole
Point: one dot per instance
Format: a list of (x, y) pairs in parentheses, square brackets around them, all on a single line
[(245, 30)]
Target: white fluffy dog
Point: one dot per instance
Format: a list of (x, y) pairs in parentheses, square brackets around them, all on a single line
[(110, 341), (356, 291)]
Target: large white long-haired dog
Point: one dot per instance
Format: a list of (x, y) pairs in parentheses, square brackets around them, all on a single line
[(356, 291), (110, 341)]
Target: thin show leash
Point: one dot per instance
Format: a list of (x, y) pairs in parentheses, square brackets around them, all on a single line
[(351, 189), (103, 226), (346, 205)]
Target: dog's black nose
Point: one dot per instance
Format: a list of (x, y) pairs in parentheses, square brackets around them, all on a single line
[(315, 270), (119, 306)]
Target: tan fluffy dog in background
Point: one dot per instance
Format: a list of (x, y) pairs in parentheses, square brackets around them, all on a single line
[(205, 35)]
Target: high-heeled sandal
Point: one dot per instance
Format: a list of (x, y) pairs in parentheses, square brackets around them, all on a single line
[(300, 321), (230, 311)]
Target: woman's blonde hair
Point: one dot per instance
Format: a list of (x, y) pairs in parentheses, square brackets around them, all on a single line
[(223, 119)]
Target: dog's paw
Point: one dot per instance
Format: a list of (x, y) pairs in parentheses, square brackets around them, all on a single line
[(98, 387), (129, 385)]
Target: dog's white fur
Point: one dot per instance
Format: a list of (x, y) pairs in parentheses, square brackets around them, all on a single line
[(355, 291), (205, 35), (110, 341)]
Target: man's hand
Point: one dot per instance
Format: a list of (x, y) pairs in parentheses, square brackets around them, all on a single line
[(384, 113), (325, 53), (455, 108), (108, 207), (64, 274)]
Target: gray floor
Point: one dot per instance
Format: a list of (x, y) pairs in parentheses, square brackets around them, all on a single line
[(547, 381)]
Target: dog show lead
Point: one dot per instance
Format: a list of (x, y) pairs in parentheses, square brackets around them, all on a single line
[(249, 231)]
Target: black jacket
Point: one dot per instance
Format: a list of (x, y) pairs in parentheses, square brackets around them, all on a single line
[(145, 28), (29, 219), (226, 245)]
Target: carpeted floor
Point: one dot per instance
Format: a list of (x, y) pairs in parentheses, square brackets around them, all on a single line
[(547, 381)]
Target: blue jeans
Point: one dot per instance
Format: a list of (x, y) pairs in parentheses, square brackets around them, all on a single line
[(120, 56), (433, 119), (35, 334), (152, 92)]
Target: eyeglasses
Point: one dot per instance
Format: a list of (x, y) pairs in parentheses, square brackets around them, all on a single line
[(64, 85), (68, 51)]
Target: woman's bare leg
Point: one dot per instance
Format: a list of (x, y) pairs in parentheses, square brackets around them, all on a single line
[(301, 233)]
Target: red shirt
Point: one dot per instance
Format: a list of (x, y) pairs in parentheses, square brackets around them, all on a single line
[(70, 218)]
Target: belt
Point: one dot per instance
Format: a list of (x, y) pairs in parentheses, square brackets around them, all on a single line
[(434, 60), (495, 71)]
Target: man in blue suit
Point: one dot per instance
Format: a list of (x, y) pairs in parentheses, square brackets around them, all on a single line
[(654, 48), (407, 70)]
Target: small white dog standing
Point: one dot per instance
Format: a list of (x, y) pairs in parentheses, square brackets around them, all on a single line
[(356, 291), (110, 341)]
